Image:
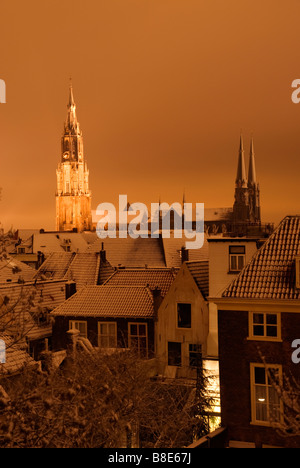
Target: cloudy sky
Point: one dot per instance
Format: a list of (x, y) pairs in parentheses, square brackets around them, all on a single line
[(163, 89)]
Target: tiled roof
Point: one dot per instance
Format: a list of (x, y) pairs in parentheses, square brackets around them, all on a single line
[(153, 252), (105, 271), (24, 303), (16, 358), (79, 267), (12, 270), (108, 301), (55, 266), (48, 242), (130, 252), (199, 271), (217, 214), (172, 250), (271, 272), (153, 277), (85, 268)]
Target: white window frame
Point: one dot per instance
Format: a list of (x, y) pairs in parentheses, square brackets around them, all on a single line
[(73, 323), (254, 401), (107, 335), (265, 325), (237, 256)]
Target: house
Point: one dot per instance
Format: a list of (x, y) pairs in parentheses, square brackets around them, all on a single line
[(227, 257), (258, 323), (14, 271), (110, 317), (182, 325), (182, 331), (15, 360), (25, 311)]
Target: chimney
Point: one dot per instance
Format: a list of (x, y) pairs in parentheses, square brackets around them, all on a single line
[(40, 259), (184, 255), (70, 289), (103, 253)]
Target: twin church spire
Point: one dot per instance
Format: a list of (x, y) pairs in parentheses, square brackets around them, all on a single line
[(246, 208)]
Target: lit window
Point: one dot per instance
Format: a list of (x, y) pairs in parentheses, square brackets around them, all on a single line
[(138, 338), (79, 325), (184, 315), (236, 258), (107, 334), (266, 404), (264, 326)]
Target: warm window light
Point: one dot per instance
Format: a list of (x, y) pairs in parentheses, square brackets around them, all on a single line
[(261, 399)]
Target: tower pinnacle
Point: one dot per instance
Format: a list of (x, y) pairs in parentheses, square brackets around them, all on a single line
[(252, 170), (241, 178)]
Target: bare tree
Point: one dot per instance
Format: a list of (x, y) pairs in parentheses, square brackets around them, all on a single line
[(97, 399), (288, 391), (286, 421)]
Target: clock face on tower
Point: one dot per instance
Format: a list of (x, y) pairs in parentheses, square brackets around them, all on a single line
[(66, 155)]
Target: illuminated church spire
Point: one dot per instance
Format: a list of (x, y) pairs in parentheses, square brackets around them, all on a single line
[(73, 197)]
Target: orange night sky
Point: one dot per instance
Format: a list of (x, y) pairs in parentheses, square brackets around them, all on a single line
[(163, 89)]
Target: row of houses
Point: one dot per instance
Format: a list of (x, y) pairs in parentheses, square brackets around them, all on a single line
[(235, 307)]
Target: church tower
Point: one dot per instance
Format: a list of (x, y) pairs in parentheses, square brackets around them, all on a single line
[(73, 197), (246, 208)]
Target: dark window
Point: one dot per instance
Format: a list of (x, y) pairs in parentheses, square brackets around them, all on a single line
[(174, 354), (195, 355), (138, 338), (184, 314), (265, 325)]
